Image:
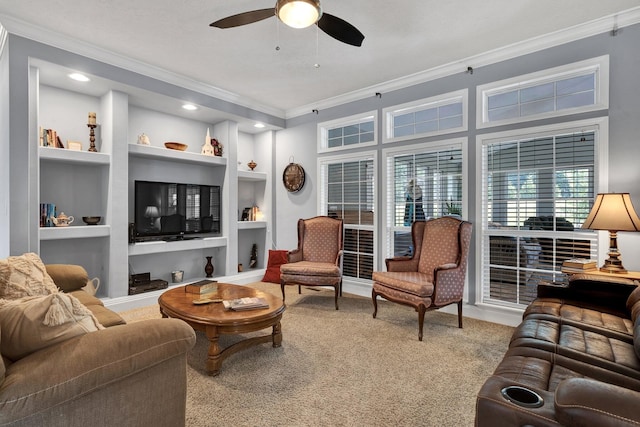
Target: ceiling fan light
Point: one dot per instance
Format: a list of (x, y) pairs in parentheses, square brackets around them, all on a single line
[(298, 13)]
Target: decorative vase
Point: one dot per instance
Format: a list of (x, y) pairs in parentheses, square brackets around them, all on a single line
[(207, 148), (252, 165), (208, 269)]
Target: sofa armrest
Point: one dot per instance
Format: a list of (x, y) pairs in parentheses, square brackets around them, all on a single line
[(89, 363), (582, 401), (603, 295)]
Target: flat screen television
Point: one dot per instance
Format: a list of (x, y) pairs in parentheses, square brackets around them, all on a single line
[(175, 211)]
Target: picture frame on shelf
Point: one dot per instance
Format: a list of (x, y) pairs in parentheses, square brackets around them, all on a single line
[(74, 145), (245, 214)]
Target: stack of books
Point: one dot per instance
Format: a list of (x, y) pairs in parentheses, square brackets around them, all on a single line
[(47, 210), (248, 303), (202, 287), (579, 265)]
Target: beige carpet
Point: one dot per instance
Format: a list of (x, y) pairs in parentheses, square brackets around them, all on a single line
[(344, 368)]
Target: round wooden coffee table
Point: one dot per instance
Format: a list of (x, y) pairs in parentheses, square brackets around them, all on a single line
[(214, 320)]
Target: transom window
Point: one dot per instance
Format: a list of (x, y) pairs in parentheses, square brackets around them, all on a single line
[(437, 115), (355, 131), (559, 91)]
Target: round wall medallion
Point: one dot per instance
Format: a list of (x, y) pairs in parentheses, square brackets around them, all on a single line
[(293, 177)]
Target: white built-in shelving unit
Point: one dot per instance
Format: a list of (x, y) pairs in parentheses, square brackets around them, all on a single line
[(82, 183)]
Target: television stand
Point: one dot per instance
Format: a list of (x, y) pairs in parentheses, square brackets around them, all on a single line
[(179, 238)]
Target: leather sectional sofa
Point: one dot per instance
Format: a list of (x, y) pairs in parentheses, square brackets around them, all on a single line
[(121, 375), (573, 361)]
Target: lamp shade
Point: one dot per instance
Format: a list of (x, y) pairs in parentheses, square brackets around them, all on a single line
[(613, 212), (151, 212), (298, 13)]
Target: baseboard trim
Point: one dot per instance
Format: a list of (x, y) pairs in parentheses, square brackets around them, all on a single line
[(500, 315)]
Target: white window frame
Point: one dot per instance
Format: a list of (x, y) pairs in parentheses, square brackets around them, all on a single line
[(599, 125), (387, 180), (325, 127), (599, 65), (435, 101), (322, 198)]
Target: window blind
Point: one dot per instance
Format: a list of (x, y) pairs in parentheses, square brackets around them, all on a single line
[(537, 192), (350, 197), (424, 184)]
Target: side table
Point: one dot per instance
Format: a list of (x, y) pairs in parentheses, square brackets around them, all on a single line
[(631, 275)]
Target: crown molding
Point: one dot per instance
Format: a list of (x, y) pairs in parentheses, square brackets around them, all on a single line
[(557, 38), (80, 47), (619, 20)]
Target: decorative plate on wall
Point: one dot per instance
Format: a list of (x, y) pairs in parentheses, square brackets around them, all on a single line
[(293, 177)]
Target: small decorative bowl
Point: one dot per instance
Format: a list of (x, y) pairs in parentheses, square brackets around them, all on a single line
[(91, 220), (176, 146)]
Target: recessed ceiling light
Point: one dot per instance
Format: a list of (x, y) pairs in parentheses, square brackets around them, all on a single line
[(189, 107), (259, 125), (79, 77)]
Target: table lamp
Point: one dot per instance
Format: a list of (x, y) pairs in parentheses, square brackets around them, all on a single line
[(152, 213), (613, 212)]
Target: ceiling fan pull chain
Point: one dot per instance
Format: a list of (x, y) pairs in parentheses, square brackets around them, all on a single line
[(317, 64), (277, 34)]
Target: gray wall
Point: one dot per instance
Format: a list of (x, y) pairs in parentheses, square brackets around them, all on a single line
[(624, 125)]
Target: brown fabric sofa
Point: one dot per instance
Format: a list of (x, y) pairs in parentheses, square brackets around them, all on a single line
[(577, 350), (123, 375)]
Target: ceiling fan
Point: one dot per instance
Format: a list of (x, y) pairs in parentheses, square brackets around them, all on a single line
[(298, 14)]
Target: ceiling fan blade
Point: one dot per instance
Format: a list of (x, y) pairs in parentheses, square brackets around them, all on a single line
[(340, 29), (244, 18)]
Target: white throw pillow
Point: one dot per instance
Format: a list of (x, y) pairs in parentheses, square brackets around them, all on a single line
[(23, 276)]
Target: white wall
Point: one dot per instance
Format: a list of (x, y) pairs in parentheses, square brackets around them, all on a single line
[(298, 145)]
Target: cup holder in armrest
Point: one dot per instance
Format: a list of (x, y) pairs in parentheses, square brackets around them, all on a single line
[(522, 396)]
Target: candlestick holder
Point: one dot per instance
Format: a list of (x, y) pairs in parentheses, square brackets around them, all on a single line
[(92, 139)]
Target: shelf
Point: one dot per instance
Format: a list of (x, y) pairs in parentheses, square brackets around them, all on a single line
[(250, 225), (71, 156), (146, 248), (74, 232), (148, 151), (251, 176)]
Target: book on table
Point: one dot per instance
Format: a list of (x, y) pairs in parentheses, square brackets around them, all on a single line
[(201, 287), (247, 303), (580, 264)]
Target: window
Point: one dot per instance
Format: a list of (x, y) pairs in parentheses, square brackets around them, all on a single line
[(432, 116), (570, 89), (537, 190), (350, 132), (424, 181), (348, 193)]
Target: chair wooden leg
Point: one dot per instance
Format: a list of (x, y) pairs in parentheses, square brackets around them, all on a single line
[(374, 298), (421, 310), (460, 314), (340, 287), (337, 291), (282, 288), (299, 289)]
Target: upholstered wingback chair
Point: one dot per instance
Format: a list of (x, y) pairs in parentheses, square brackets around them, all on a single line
[(317, 261), (434, 276)]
